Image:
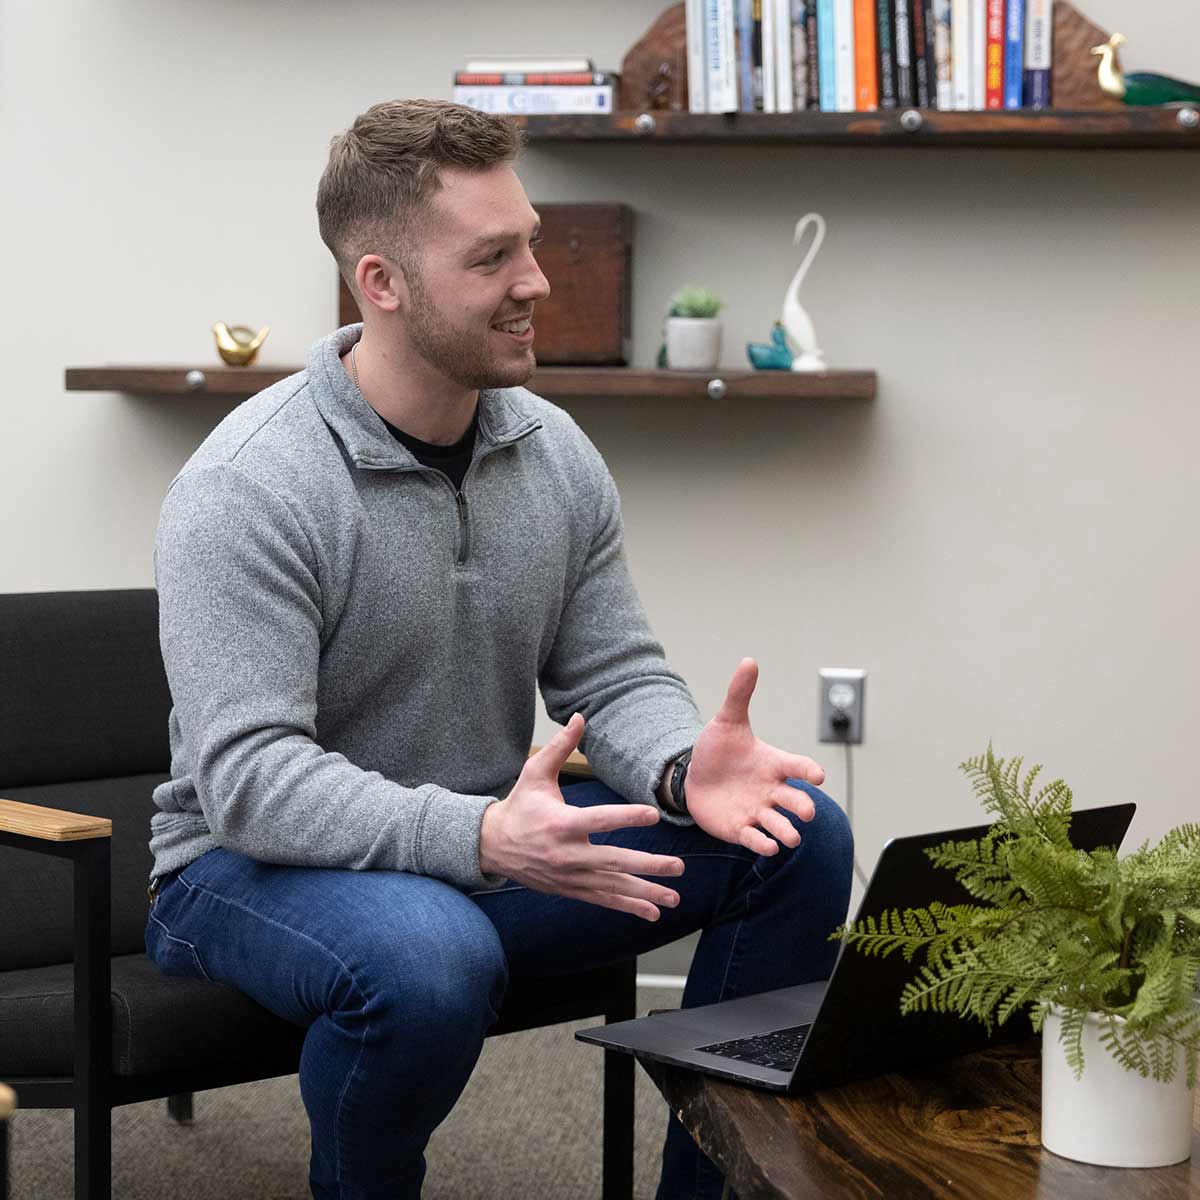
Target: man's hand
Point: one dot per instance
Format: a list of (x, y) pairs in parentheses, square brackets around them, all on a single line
[(536, 838), (736, 783)]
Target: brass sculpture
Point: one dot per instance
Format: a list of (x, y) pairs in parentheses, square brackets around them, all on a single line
[(238, 346)]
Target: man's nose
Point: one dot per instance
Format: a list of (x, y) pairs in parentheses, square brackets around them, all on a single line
[(533, 285)]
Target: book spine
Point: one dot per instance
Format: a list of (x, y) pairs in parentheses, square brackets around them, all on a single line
[(540, 78), (866, 57), (960, 37), (756, 54), (798, 14), (785, 99), (943, 42), (920, 55), (843, 24), (517, 65), (745, 55), (885, 37), (722, 71), (827, 55), (1014, 53), (979, 54), (498, 98), (1037, 53), (696, 67), (994, 97), (814, 56), (770, 50), (905, 93)]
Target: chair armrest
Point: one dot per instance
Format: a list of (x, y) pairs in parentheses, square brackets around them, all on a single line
[(576, 765), (50, 824)]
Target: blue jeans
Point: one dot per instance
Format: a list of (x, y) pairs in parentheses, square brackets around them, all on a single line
[(398, 977)]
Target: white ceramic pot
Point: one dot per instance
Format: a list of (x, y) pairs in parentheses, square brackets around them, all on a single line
[(693, 343), (1111, 1116)]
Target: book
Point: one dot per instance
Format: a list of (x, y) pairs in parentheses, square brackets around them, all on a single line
[(1038, 29), (693, 15), (905, 90), (719, 46), (978, 54), (813, 44), (554, 98), (885, 37), (756, 54), (744, 17), (800, 55), (942, 50), (921, 56), (994, 55), (827, 55), (1014, 53), (784, 78), (541, 78), (843, 27), (960, 42), (770, 50), (866, 57), (503, 63)]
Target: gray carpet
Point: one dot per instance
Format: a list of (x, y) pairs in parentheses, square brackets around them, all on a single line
[(528, 1124)]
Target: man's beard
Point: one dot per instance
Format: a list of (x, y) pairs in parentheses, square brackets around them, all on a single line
[(461, 356)]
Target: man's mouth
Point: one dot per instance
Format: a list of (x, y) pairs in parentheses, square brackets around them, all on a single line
[(521, 329)]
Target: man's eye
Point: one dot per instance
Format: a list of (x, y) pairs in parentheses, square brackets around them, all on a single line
[(495, 258), (535, 242)]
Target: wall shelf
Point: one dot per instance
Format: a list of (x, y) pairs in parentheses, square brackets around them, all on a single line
[(551, 382), (1109, 129)]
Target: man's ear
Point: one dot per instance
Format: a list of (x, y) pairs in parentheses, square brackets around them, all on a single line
[(381, 283)]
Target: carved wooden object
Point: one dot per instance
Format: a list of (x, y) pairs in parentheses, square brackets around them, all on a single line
[(654, 71), (1073, 80)]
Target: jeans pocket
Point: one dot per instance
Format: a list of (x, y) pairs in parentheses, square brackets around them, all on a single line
[(172, 955)]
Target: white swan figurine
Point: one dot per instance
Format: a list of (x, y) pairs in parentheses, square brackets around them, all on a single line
[(801, 336)]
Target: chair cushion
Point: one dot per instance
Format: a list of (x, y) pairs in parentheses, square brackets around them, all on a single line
[(160, 1022), (36, 889)]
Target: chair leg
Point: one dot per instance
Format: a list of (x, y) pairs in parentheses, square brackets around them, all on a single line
[(179, 1108), (618, 1126), (93, 1152)]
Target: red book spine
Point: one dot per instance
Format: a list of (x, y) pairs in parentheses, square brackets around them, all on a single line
[(995, 54)]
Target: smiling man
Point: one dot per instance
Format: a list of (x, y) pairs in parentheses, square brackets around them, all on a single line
[(366, 574)]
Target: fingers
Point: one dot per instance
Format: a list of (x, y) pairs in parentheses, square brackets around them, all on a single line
[(615, 884), (604, 818), (798, 767), (757, 841), (795, 800), (549, 759), (779, 827), (736, 708), (635, 862)]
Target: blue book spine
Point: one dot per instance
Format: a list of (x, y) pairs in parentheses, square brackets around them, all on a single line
[(827, 55), (745, 28), (1014, 54)]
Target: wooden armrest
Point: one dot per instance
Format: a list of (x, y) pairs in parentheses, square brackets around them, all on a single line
[(50, 824), (8, 1102), (576, 764)]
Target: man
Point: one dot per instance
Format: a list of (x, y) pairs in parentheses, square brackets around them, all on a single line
[(365, 573)]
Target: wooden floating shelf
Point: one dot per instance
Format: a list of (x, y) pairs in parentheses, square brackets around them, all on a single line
[(1116, 129), (551, 382)]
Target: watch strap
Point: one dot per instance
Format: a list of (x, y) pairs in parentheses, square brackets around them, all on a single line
[(678, 780)]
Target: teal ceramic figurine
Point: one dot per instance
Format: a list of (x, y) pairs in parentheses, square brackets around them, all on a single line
[(776, 356), (1140, 88)]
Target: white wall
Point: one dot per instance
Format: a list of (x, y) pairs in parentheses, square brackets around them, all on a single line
[(1005, 539)]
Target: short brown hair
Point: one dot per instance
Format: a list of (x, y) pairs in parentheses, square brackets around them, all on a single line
[(383, 172)]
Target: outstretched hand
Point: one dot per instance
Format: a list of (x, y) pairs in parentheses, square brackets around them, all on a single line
[(737, 783)]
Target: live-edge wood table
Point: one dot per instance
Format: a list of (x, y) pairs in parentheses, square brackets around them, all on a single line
[(965, 1129)]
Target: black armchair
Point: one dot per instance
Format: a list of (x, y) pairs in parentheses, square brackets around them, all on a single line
[(87, 1022)]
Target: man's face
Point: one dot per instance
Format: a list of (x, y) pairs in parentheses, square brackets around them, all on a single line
[(474, 271)]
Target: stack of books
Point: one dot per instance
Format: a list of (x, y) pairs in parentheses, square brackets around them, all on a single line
[(534, 85), (861, 55)]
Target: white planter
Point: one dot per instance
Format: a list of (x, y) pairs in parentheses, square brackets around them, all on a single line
[(693, 343), (1111, 1117)]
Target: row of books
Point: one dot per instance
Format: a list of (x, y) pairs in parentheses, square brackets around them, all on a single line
[(862, 55), (535, 85)]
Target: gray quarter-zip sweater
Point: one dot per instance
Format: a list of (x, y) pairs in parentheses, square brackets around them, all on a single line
[(354, 649)]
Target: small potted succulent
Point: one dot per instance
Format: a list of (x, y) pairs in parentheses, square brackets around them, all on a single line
[(1103, 951), (692, 331)]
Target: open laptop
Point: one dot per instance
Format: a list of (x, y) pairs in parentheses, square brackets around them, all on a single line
[(848, 1026)]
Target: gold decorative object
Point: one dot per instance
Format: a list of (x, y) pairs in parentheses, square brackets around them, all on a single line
[(1142, 88), (238, 345)]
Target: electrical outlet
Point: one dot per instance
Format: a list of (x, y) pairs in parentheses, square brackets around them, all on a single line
[(840, 704)]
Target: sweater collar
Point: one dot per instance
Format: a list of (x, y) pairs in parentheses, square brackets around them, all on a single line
[(502, 417)]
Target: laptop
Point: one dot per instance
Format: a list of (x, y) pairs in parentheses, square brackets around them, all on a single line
[(849, 1026)]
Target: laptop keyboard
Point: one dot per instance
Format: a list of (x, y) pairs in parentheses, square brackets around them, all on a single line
[(779, 1049)]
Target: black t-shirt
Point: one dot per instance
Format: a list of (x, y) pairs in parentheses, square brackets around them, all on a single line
[(451, 460)]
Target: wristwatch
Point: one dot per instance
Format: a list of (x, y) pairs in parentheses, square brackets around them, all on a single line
[(678, 779)]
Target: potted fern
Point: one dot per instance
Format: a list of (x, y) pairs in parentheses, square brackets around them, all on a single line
[(692, 332), (1102, 951)]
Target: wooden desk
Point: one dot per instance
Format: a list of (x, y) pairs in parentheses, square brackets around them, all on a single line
[(967, 1128)]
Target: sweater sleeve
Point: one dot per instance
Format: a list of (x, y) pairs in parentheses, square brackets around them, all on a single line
[(240, 625), (606, 664)]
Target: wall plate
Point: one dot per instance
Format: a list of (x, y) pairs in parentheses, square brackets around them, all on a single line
[(840, 699)]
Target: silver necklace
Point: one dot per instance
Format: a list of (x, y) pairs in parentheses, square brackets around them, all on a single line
[(354, 363)]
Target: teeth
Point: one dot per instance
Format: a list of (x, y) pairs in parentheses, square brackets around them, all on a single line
[(514, 326)]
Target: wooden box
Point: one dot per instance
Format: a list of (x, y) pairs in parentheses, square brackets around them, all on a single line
[(586, 256)]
